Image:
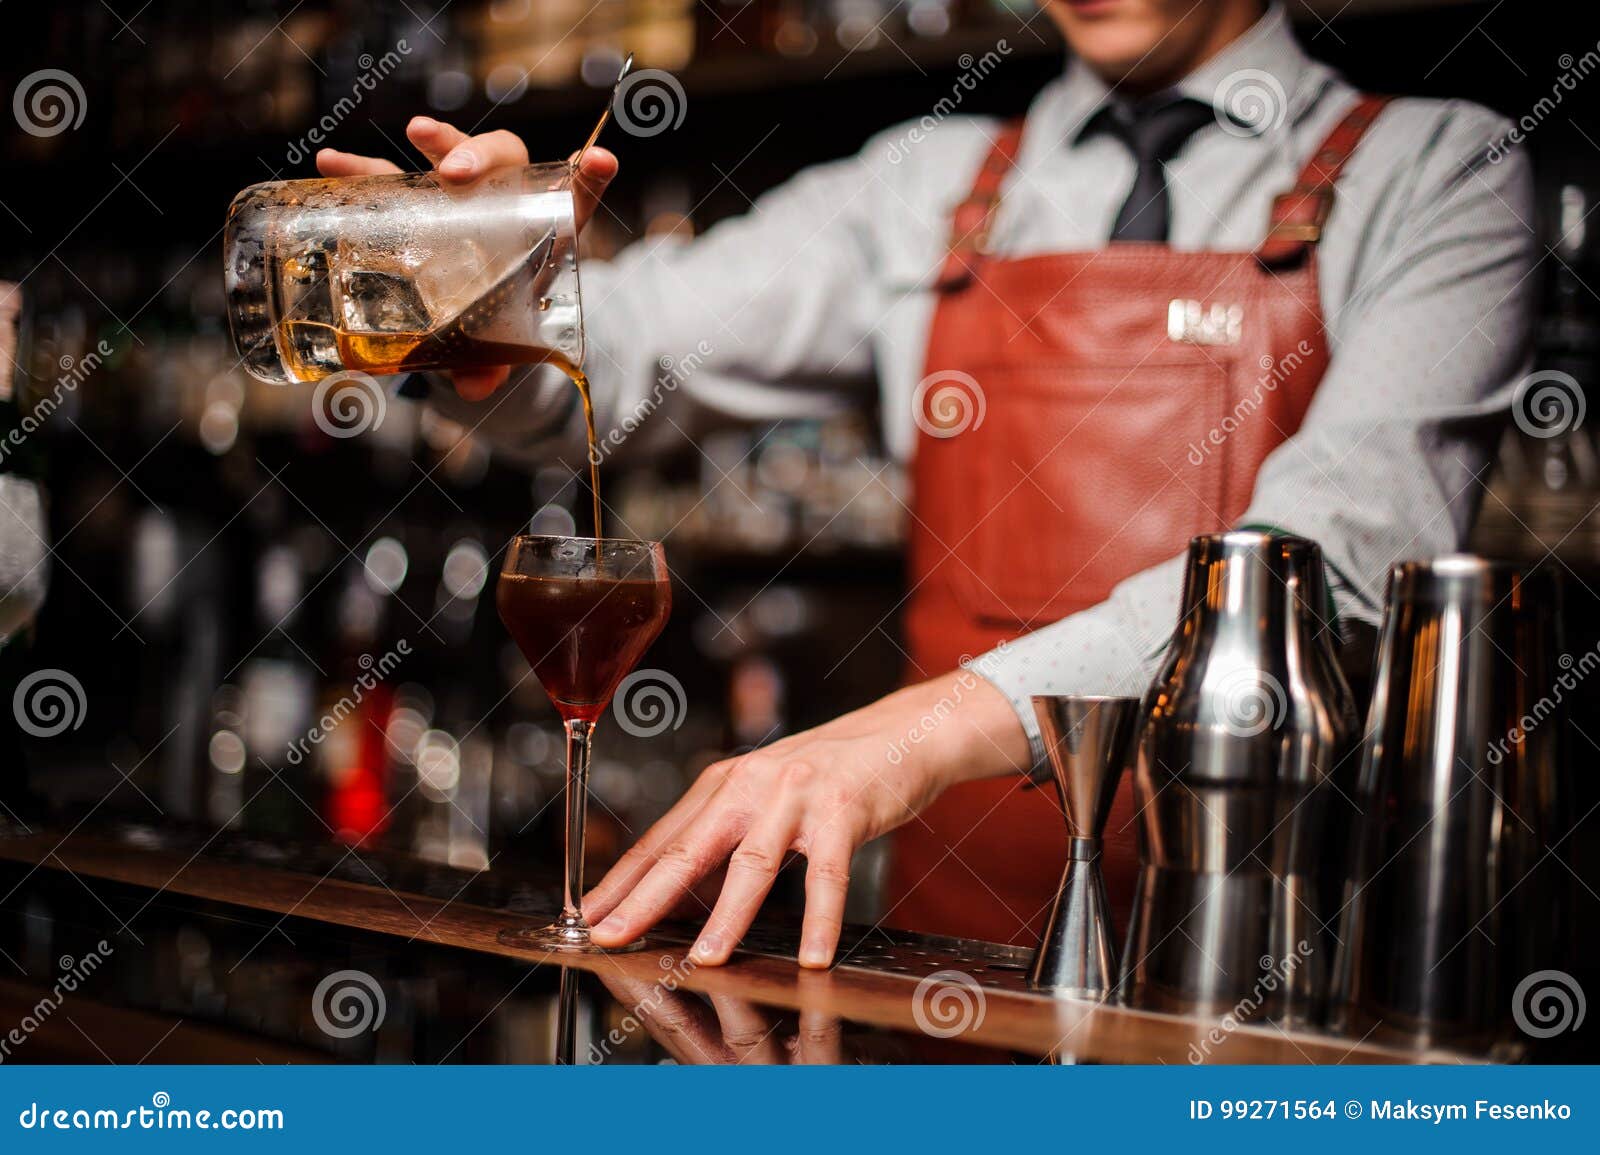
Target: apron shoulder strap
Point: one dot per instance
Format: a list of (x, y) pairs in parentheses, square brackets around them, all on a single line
[(1296, 223), (972, 218), (1298, 216)]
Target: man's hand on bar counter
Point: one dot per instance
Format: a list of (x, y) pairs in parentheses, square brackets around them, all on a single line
[(821, 793), (458, 157)]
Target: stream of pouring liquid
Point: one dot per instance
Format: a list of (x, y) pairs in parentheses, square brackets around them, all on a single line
[(581, 382)]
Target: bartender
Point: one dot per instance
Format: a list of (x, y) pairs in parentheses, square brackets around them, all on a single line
[(1203, 283)]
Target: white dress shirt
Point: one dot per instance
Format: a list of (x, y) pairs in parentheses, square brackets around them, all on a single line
[(822, 287)]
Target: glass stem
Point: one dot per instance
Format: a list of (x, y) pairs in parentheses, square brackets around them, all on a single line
[(579, 737), (567, 1019)]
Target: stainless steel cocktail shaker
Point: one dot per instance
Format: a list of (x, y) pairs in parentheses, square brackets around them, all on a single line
[(1458, 892), (1240, 821)]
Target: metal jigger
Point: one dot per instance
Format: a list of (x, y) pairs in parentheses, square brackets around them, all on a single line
[(1089, 741)]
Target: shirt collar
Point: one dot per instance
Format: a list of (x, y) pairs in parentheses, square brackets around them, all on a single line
[(1262, 81)]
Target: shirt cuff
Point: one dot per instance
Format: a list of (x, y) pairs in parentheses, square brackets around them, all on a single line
[(1082, 654)]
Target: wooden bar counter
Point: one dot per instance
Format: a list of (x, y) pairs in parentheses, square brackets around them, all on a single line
[(938, 992)]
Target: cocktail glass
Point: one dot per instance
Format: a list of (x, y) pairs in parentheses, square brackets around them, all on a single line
[(583, 611)]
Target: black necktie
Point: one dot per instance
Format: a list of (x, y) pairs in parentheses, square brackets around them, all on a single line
[(1154, 131)]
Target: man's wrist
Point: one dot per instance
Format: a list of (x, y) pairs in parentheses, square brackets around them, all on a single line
[(967, 728)]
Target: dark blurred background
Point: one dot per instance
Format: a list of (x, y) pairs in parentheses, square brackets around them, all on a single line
[(223, 570)]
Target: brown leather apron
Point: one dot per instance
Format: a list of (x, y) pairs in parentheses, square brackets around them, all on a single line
[(1117, 402)]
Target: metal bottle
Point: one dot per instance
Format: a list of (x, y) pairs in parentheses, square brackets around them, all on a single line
[(1238, 779), (1458, 895)]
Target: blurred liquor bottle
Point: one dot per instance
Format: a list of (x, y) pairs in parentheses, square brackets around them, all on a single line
[(861, 25), (1541, 500), (23, 560), (1543, 509), (1541, 505), (23, 564), (548, 44), (732, 27), (279, 687), (372, 651)]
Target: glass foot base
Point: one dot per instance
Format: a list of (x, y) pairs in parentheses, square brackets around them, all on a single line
[(565, 936)]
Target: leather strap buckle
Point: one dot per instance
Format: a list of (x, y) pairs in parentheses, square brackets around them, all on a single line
[(1301, 214), (969, 225), (1298, 218), (980, 240), (1309, 233)]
